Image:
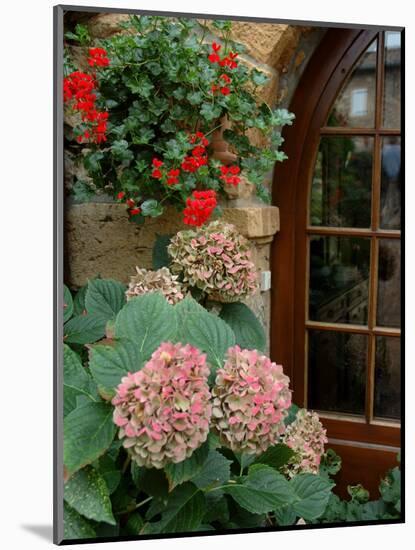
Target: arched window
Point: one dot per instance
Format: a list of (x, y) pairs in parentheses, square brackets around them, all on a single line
[(336, 262)]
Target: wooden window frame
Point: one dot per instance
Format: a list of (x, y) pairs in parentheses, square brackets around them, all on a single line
[(323, 78)]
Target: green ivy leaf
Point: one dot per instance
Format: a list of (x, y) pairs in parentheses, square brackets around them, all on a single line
[(312, 493), (76, 381), (184, 511), (249, 333), (151, 208), (148, 321), (216, 470), (84, 329), (187, 469), (67, 304), (88, 432), (75, 526), (87, 493), (276, 456), (262, 491), (104, 298), (110, 362)]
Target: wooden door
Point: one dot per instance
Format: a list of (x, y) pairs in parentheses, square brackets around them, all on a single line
[(336, 261)]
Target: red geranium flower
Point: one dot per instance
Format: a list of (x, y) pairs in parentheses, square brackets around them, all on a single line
[(130, 203), (98, 57), (157, 162), (135, 211), (121, 195), (156, 174), (199, 207), (225, 90), (216, 47)]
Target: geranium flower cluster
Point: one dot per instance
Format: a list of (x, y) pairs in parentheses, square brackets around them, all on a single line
[(132, 207), (199, 207), (147, 281), (250, 401), (98, 57), (79, 87), (307, 437), (163, 410), (216, 259), (227, 61), (190, 163), (229, 174)]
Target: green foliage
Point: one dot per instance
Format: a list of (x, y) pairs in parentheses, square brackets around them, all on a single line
[(147, 321), (87, 493), (106, 495), (187, 469), (75, 526), (249, 333), (110, 362), (84, 329), (158, 90), (104, 298), (88, 432), (161, 257), (76, 381), (67, 304)]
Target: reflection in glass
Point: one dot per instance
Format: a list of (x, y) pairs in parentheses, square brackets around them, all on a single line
[(389, 283), (390, 199), (337, 371), (392, 81), (342, 181), (355, 105), (387, 402), (339, 275)]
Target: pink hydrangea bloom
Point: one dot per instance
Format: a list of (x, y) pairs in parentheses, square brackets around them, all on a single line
[(216, 259), (163, 411), (307, 437), (250, 401)]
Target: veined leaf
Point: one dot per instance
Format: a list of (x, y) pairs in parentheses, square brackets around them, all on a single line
[(215, 471), (110, 362), (311, 495), (187, 469), (262, 490), (75, 526), (184, 511), (147, 321), (249, 333), (87, 493), (104, 298), (276, 456), (84, 329), (88, 432), (76, 381)]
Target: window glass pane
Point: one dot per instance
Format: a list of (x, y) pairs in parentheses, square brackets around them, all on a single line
[(388, 378), (337, 371), (392, 81), (355, 104), (342, 181), (390, 199), (339, 275), (389, 283)]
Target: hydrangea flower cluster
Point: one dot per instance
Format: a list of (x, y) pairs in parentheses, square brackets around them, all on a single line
[(163, 411), (146, 281), (307, 437), (215, 259), (250, 401)]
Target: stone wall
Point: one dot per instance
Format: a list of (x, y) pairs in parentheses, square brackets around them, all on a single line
[(99, 239)]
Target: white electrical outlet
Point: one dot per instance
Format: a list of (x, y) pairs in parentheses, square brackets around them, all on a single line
[(265, 280)]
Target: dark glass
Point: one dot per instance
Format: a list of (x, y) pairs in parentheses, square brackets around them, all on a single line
[(339, 279), (342, 182), (389, 283), (337, 371), (390, 198), (388, 378), (355, 104), (392, 81)]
